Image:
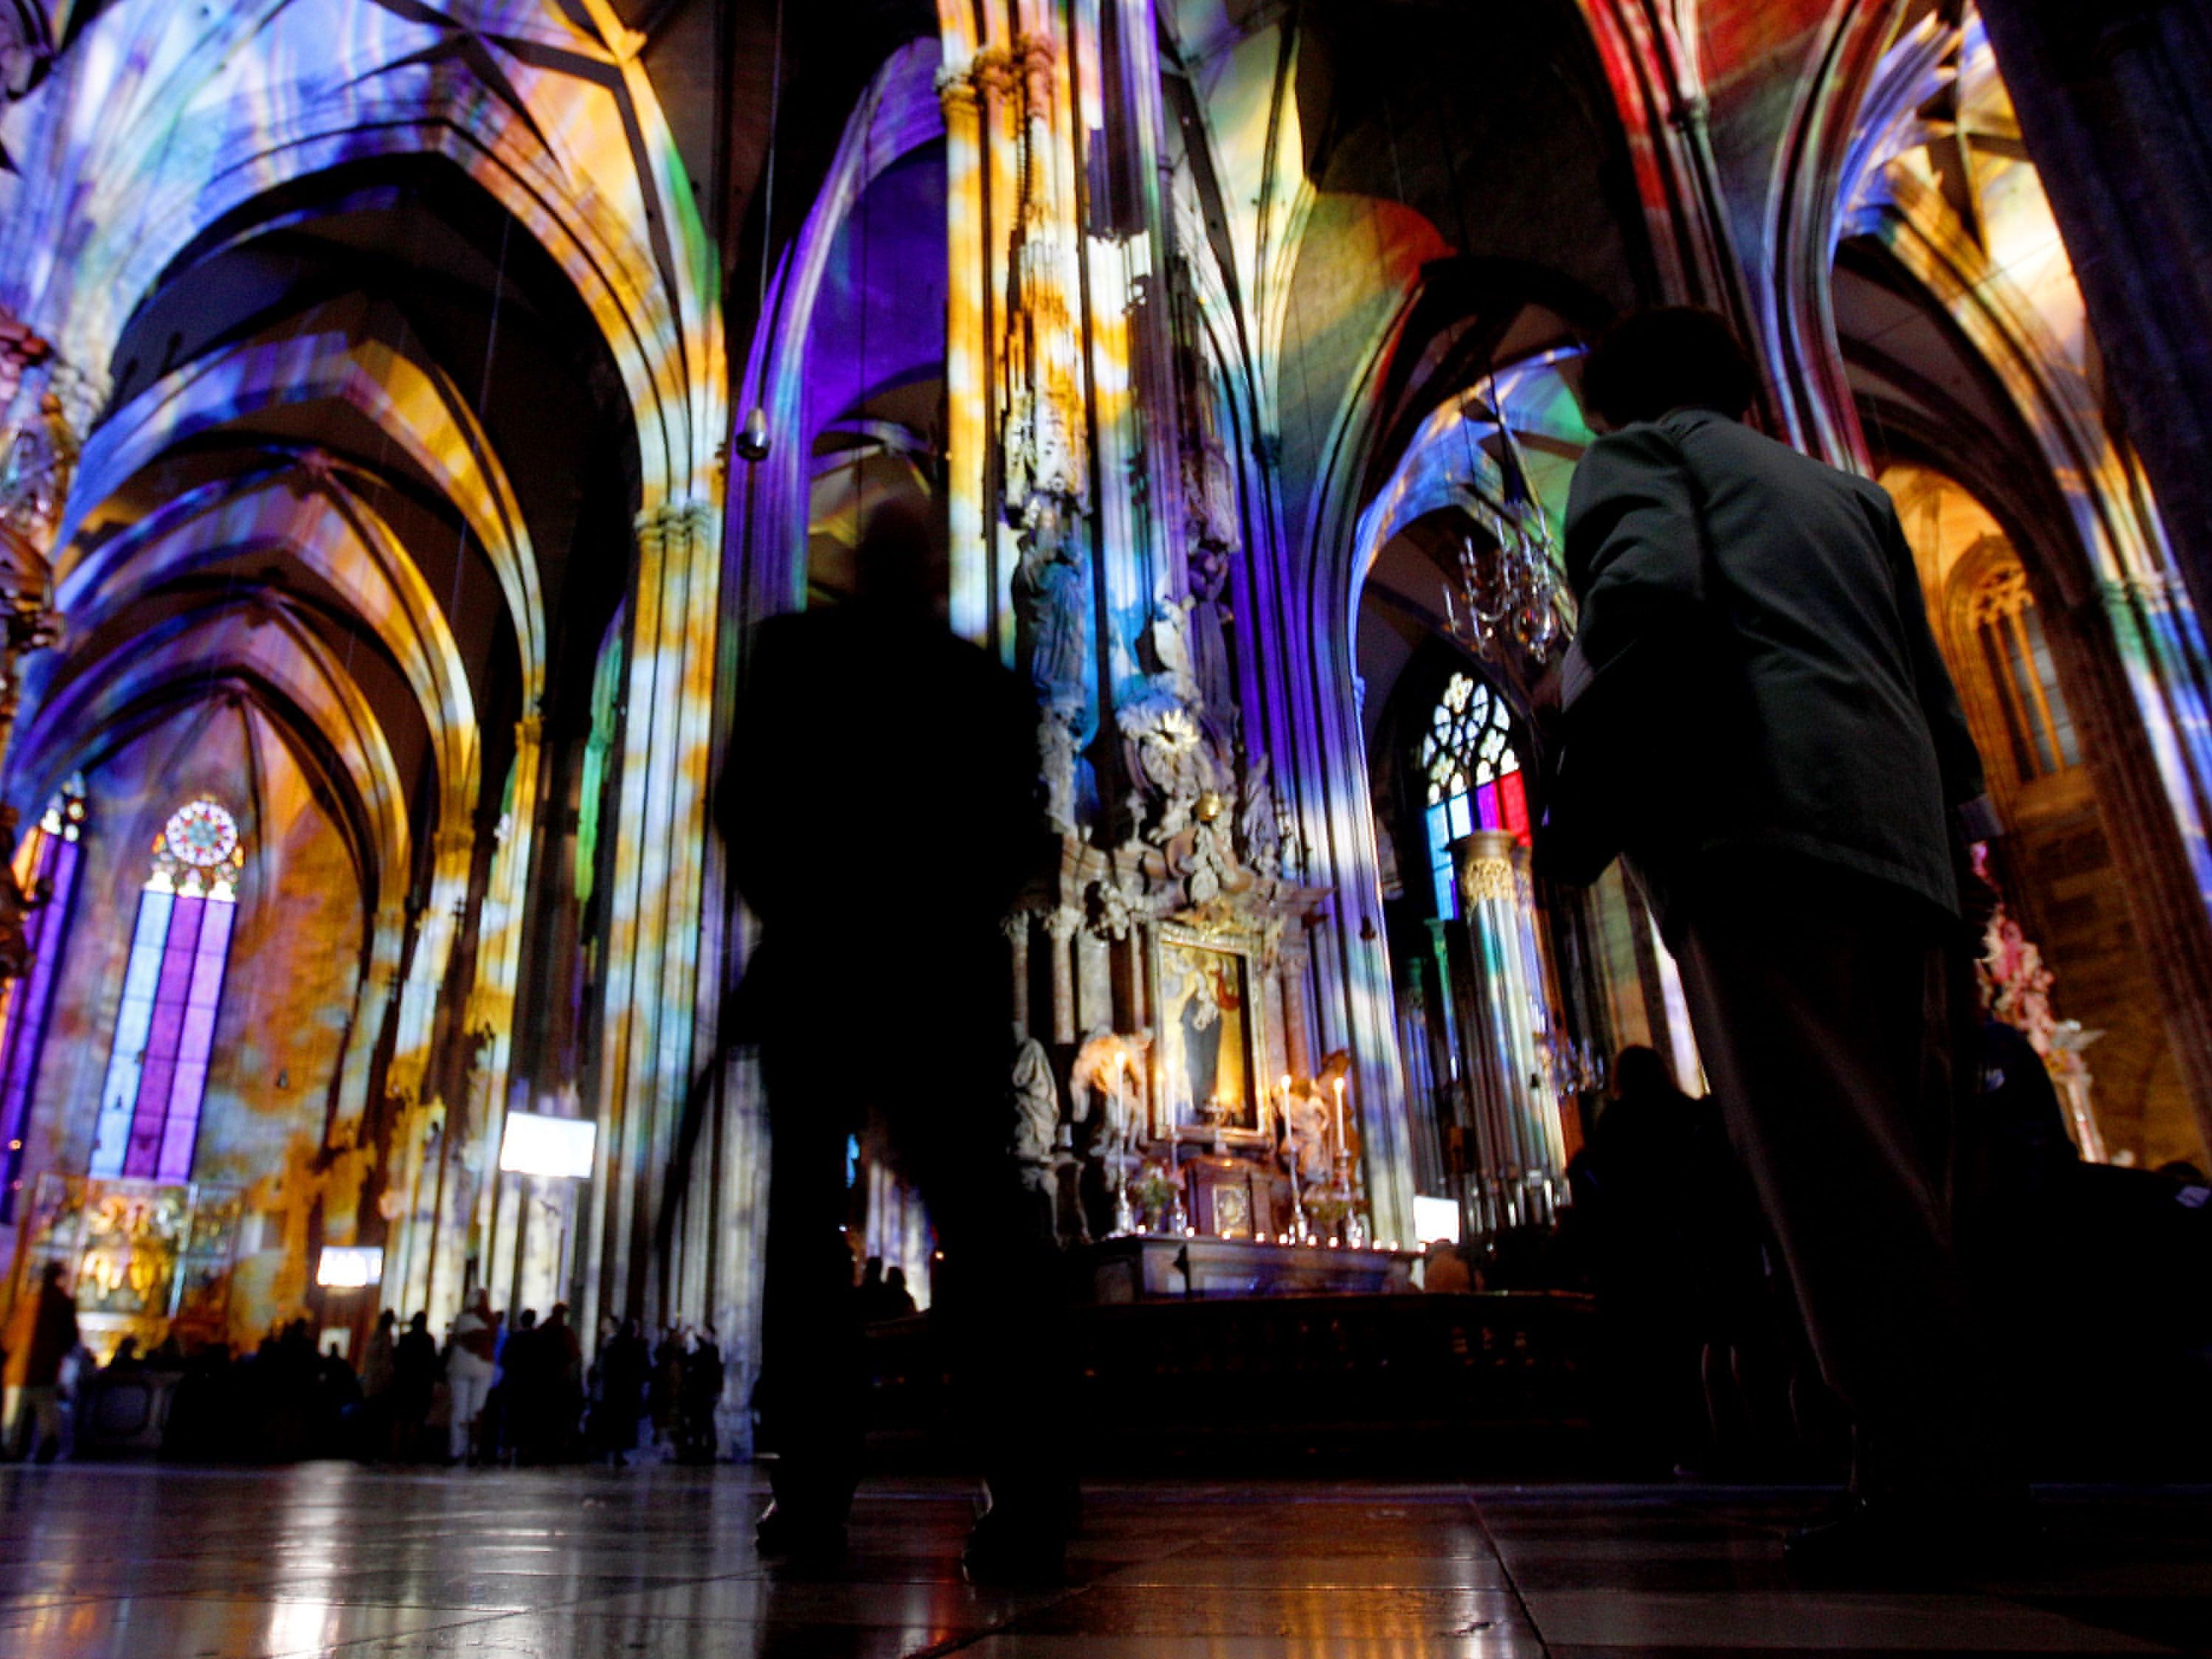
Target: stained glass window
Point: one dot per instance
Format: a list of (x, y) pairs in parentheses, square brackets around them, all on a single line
[(2038, 722), (46, 871), (1475, 780), (150, 1106)]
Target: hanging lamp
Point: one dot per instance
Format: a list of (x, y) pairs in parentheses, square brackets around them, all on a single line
[(753, 439)]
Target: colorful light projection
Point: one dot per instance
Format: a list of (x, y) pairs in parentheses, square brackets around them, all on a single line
[(46, 865), (1475, 779), (150, 1106)]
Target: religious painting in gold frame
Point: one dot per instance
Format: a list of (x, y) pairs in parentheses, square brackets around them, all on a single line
[(1207, 1050)]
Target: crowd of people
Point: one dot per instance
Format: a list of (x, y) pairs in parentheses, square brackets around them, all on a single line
[(495, 1391)]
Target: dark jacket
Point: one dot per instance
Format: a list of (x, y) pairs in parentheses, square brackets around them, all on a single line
[(41, 1335), (877, 765), (1843, 741)]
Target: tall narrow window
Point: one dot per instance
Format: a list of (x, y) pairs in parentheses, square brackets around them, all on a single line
[(45, 872), (1473, 778), (149, 1107), (2038, 723)]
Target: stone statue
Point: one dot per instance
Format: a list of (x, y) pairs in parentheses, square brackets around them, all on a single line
[(1312, 1132), (1048, 595), (1256, 824), (1108, 1085), (1035, 1101), (1170, 638)]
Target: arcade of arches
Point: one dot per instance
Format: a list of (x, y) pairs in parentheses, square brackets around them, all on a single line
[(382, 541)]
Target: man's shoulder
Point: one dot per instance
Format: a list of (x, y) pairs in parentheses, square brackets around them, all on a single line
[(1728, 447)]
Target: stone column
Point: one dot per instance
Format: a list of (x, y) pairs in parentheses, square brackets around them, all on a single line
[(2115, 104), (1059, 928), (1494, 889), (1298, 1016), (491, 1001), (654, 899), (967, 358), (1017, 927)]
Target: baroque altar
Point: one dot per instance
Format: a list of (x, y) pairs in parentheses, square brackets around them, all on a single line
[(1168, 1106)]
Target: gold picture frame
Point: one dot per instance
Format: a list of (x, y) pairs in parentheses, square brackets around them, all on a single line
[(1209, 1065)]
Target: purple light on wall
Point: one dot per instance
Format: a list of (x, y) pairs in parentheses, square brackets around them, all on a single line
[(157, 1067), (196, 1040), (29, 1001), (149, 1115)]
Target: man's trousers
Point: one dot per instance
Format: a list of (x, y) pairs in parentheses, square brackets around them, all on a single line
[(1828, 1012)]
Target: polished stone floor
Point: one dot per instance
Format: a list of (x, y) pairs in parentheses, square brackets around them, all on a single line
[(172, 1563)]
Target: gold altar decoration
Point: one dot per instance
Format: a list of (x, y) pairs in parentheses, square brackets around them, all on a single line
[(1207, 1054), (143, 1258)]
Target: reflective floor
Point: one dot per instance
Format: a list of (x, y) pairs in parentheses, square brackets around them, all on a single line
[(597, 1564)]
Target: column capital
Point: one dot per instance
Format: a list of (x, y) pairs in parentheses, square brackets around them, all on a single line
[(993, 70), (957, 91), (694, 514)]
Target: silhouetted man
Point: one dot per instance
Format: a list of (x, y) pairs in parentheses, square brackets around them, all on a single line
[(879, 804), (1799, 850), (42, 1334)]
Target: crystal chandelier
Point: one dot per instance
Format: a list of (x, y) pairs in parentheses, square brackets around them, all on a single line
[(1512, 602)]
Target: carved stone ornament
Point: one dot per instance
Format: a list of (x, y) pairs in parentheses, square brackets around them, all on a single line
[(1171, 759), (1109, 908), (1490, 878), (1170, 753)]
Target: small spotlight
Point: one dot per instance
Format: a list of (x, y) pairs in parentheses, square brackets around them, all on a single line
[(752, 436)]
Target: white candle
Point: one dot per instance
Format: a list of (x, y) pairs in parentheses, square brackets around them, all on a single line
[(1343, 1150)]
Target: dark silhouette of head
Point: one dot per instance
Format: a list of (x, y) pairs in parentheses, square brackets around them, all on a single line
[(1666, 358), (901, 563), (1640, 1073)]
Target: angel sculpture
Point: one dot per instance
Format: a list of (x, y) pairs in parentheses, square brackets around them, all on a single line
[(1311, 1133), (1108, 1084)]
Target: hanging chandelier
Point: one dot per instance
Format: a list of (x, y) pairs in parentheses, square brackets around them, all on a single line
[(1511, 602)]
